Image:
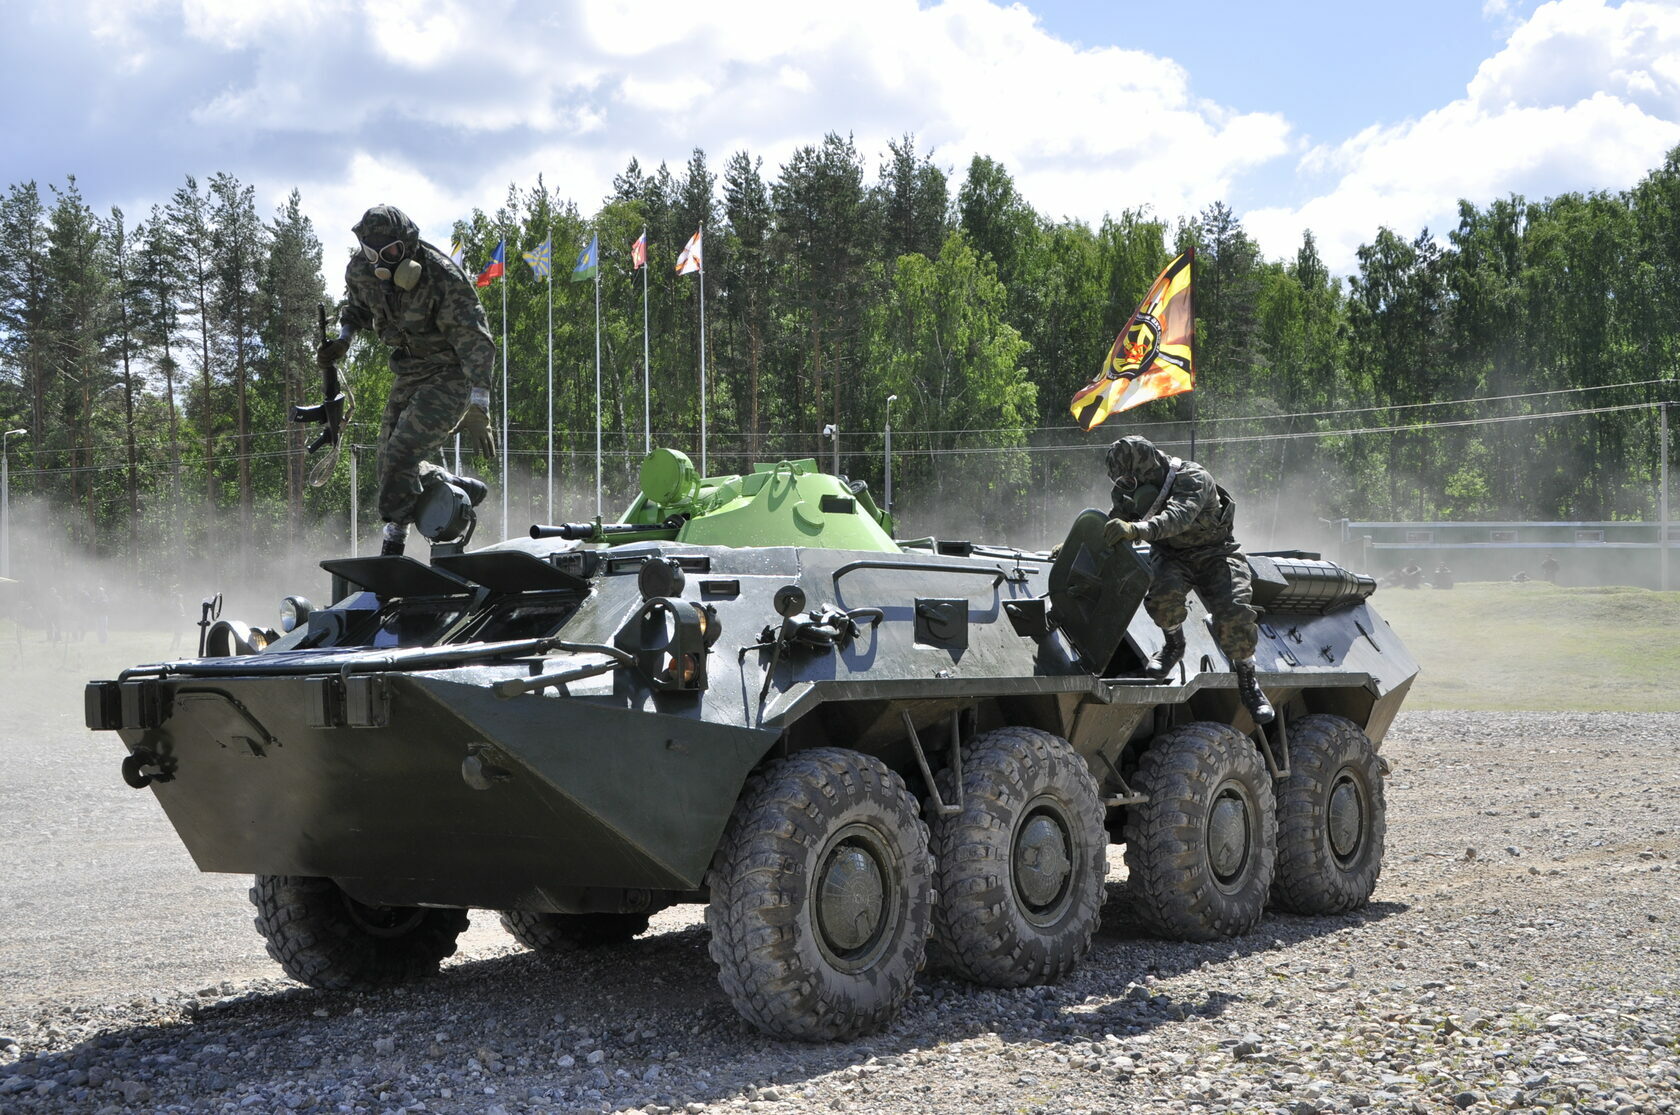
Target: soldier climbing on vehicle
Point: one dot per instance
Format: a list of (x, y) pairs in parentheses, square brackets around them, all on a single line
[(424, 307), (1187, 519)]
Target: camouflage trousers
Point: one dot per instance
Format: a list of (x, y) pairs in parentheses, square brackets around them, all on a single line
[(1221, 577), (418, 417)]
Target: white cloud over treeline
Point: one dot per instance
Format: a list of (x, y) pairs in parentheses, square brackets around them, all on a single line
[(436, 106)]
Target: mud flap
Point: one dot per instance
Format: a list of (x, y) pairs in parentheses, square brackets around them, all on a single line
[(1095, 590)]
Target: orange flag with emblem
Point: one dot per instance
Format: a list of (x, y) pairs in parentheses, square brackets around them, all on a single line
[(1152, 357)]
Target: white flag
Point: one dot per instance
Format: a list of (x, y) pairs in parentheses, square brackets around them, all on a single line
[(689, 261)]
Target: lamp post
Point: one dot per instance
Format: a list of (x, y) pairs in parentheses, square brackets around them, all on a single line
[(891, 399), (6, 499), (832, 433)]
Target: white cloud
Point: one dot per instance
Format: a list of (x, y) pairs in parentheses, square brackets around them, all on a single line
[(437, 104), (1583, 96)]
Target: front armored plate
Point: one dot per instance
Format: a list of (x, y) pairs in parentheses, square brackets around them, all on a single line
[(1095, 589)]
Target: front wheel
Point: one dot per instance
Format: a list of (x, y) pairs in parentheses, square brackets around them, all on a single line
[(820, 896), (323, 937), (1202, 850), (1021, 868), (1332, 818)]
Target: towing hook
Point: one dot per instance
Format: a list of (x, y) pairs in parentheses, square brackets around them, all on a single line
[(135, 776)]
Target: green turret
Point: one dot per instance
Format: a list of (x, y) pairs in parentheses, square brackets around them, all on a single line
[(789, 503)]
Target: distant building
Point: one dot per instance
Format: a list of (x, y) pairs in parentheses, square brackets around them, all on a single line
[(1595, 553)]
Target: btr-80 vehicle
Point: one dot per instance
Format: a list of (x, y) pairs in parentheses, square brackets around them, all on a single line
[(856, 751)]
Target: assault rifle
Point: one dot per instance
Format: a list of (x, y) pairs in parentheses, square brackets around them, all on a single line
[(330, 413)]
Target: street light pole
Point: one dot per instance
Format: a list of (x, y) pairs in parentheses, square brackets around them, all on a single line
[(891, 399), (6, 499), (832, 433)]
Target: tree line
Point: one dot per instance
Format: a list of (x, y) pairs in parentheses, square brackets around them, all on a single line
[(154, 360)]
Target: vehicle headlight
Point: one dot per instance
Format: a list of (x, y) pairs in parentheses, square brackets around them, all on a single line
[(294, 612)]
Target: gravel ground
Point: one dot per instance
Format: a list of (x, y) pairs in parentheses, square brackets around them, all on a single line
[(1520, 953)]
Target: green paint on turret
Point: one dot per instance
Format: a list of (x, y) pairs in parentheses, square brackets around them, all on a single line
[(789, 503)]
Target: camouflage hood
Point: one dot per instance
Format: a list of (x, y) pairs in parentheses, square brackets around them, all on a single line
[(385, 223), (1137, 457)]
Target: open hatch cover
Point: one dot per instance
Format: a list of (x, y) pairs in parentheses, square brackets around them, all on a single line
[(390, 577), (510, 571)]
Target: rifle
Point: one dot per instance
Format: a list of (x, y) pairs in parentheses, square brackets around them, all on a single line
[(329, 413)]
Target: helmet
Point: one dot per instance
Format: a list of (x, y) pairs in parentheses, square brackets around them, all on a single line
[(1132, 459)]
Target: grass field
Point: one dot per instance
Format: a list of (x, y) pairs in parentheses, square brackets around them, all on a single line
[(1490, 645), (1498, 645)]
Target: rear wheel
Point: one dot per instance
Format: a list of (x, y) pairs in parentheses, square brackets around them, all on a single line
[(1202, 850), (562, 933), (323, 937), (1020, 869), (820, 896), (1332, 819)]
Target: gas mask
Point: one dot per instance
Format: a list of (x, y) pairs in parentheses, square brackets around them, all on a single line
[(391, 264)]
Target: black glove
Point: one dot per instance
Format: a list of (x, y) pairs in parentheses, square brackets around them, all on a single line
[(1116, 531), (476, 425), (331, 352)]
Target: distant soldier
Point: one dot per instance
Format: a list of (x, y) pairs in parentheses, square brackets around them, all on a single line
[(1549, 569), (1442, 577), (421, 304), (1411, 576), (1187, 519)]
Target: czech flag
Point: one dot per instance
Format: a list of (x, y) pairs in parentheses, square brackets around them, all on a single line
[(1152, 357), (493, 269)]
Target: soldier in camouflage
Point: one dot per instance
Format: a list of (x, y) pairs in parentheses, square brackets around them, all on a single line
[(424, 307), (1187, 520)]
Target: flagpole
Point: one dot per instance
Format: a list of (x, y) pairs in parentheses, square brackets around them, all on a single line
[(550, 386), (647, 374), (597, 382), (703, 471), (505, 451)]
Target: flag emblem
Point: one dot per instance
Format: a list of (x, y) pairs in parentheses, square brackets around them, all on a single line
[(541, 258), (458, 254), (1153, 356), (638, 252), (495, 267), (689, 261), (588, 264)]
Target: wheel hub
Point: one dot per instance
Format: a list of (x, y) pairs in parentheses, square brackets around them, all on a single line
[(1228, 834), (850, 897), (1042, 863), (1347, 818)]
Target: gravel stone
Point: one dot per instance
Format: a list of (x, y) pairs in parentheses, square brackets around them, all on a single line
[(130, 983)]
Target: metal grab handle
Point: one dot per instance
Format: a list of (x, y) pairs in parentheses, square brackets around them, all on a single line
[(998, 575)]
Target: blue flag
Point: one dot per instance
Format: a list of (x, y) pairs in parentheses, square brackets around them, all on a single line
[(588, 261), (541, 258)]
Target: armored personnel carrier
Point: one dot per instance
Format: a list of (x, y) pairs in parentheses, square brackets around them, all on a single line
[(856, 750)]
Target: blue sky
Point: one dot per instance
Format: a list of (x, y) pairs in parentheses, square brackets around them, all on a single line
[(1338, 117)]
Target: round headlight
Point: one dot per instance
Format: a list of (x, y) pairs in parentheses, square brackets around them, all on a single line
[(294, 611)]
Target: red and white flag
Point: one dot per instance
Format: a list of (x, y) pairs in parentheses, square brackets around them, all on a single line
[(638, 252), (689, 261)]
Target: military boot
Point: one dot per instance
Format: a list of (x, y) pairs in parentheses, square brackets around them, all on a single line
[(1248, 688), (391, 547), (1170, 654)]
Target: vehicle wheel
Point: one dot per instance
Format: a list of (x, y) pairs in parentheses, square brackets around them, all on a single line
[(562, 933), (1202, 850), (1332, 819), (820, 896), (1020, 870), (323, 937)]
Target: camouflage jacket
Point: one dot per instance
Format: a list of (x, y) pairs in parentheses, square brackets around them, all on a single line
[(1197, 512), (439, 322)]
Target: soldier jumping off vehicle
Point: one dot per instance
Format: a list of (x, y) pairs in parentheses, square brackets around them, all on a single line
[(1187, 519), (423, 305)]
